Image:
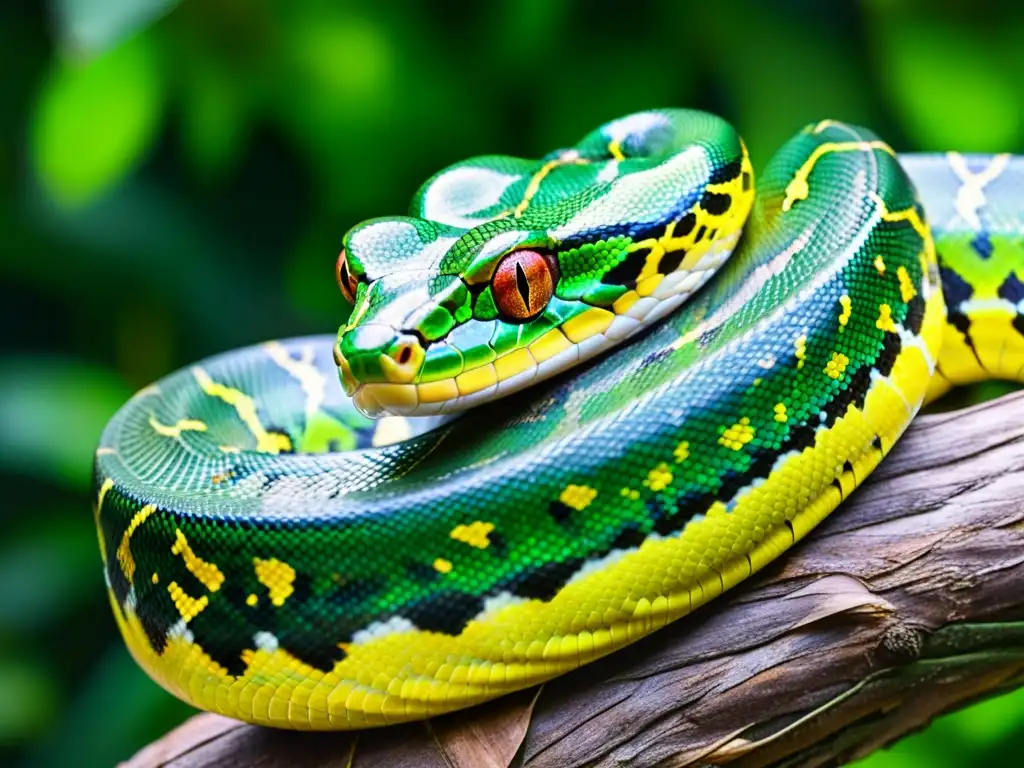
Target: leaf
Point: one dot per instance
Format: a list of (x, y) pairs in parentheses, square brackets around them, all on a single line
[(94, 121), (215, 116), (53, 410), (93, 25), (487, 737), (950, 89), (114, 711), (30, 698), (48, 568)]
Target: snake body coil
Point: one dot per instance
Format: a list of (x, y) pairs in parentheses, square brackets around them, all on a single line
[(274, 555)]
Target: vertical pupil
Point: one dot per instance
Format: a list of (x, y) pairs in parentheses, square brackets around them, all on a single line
[(523, 284)]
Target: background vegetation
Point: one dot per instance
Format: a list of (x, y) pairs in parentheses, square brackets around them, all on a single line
[(175, 180)]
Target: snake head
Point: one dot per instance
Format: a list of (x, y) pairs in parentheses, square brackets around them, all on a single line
[(509, 271)]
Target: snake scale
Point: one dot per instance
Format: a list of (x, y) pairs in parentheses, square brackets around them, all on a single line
[(275, 555)]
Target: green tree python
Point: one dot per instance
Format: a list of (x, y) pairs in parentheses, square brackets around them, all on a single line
[(274, 554)]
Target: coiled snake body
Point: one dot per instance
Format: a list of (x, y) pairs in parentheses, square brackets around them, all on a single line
[(275, 555)]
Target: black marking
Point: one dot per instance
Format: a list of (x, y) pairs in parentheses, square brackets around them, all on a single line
[(876, 443), (892, 344), (746, 181), (716, 203), (915, 315), (543, 582), (629, 537), (323, 656), (1012, 289), (560, 511), (982, 245), (666, 519), (853, 393), (956, 291), (523, 285), (499, 544), (801, 436), (222, 647), (954, 288), (156, 614), (685, 225), (700, 234), (727, 172), (447, 611), (760, 467), (628, 270), (118, 582), (1018, 324), (647, 231), (839, 487), (962, 323), (670, 261)]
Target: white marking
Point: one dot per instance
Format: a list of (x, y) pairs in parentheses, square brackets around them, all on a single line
[(500, 243), (781, 460), (265, 641), (970, 197), (457, 197), (496, 604), (180, 629), (378, 629), (970, 306), (677, 177), (639, 122), (593, 566), (609, 173)]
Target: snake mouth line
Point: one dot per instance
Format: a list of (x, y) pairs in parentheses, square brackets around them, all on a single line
[(595, 331)]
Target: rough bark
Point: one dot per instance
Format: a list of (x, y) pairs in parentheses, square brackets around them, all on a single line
[(908, 602)]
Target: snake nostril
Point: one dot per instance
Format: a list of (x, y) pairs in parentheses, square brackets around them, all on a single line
[(404, 355)]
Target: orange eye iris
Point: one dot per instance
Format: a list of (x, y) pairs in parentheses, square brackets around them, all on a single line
[(523, 284), (347, 282)]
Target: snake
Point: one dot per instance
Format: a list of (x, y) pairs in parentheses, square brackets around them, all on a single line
[(575, 399)]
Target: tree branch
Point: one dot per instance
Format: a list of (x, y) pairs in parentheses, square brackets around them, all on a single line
[(906, 603)]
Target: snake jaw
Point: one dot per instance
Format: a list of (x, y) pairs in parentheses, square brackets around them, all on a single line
[(348, 381), (380, 399)]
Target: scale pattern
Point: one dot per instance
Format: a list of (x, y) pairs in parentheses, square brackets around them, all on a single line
[(275, 556)]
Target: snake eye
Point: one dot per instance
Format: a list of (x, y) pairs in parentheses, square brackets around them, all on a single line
[(523, 284), (347, 282)]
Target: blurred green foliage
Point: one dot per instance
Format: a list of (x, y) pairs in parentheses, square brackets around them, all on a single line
[(175, 180)]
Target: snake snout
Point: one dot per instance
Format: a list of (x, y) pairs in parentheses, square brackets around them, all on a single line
[(375, 353)]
